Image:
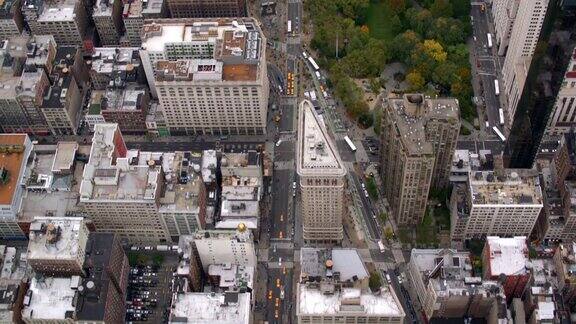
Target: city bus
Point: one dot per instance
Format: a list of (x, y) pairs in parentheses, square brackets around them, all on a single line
[(314, 65), (350, 144), (501, 113), (499, 133), (381, 246), (289, 26), (489, 40), (496, 88)]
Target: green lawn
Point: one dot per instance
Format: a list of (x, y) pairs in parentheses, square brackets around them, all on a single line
[(378, 23)]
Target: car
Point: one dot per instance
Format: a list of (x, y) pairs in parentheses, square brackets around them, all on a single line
[(282, 294), (278, 283), (363, 186), (276, 313), (294, 193), (280, 261), (277, 303), (366, 194), (148, 248), (294, 185), (388, 279), (270, 294), (279, 142)]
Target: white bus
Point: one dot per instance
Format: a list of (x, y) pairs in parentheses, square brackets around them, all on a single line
[(311, 60), (501, 113), (489, 40), (289, 26), (381, 246), (496, 88), (499, 133), (350, 144)]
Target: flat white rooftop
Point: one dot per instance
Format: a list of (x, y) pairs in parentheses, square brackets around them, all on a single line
[(209, 308), (57, 238), (50, 298), (315, 302), (63, 10), (316, 152), (507, 255)]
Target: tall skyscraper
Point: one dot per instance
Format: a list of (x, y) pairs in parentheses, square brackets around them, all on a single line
[(418, 141), (504, 14), (322, 178), (553, 53), (209, 75), (523, 39), (563, 116)]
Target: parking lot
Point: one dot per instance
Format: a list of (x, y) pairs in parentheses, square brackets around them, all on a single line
[(150, 286)]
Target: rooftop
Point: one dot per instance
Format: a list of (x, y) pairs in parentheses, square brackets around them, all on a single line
[(91, 305), (450, 273), (57, 238), (103, 8), (232, 277), (65, 155), (346, 262), (122, 99), (7, 8), (240, 236), (109, 59), (13, 157), (139, 8), (316, 151), (123, 180), (412, 113), (208, 308), (507, 255), (511, 187), (56, 96), (58, 10), (50, 298), (315, 302)]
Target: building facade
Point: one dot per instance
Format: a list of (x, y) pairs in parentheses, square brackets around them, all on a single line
[(206, 8), (418, 141), (523, 39), (504, 13), (215, 85), (505, 203), (322, 178), (11, 19), (16, 149), (107, 17), (66, 20), (562, 117), (223, 246), (57, 245)]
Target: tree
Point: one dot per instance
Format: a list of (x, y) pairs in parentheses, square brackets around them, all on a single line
[(396, 24), (426, 57), (374, 85), (403, 45), (415, 80), (445, 74), (420, 19), (365, 119), (372, 188), (388, 233), (397, 6), (441, 8), (383, 217), (374, 282)]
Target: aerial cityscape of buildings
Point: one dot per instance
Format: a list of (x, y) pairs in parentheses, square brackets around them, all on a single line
[(226, 161)]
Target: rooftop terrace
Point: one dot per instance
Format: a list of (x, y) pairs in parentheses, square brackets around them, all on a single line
[(57, 238), (512, 187)]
